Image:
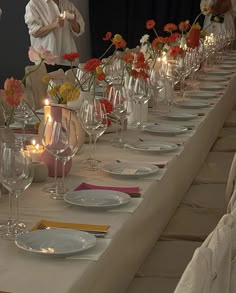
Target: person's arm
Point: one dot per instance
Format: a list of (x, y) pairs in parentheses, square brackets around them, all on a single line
[(75, 25), (222, 6), (45, 30)]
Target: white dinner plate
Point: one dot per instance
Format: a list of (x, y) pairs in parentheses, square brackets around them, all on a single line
[(130, 169), (57, 242), (97, 199), (219, 73), (181, 116), (212, 87), (213, 78), (230, 62), (192, 104), (153, 146), (201, 95), (165, 129)]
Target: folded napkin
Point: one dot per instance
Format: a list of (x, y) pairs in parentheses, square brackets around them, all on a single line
[(44, 224), (132, 191)]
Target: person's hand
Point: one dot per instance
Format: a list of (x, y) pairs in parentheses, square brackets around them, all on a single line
[(72, 20), (59, 22)]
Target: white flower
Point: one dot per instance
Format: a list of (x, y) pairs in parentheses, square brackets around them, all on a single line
[(144, 39)]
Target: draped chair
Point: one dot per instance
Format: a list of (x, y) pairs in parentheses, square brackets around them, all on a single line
[(210, 268), (192, 221)]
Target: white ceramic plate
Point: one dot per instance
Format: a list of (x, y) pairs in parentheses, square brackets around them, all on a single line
[(192, 104), (57, 242), (212, 87), (130, 169), (213, 78), (201, 95), (181, 116), (219, 73), (97, 199), (229, 61), (165, 129), (153, 146)]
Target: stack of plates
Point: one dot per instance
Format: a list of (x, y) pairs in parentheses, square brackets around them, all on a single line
[(180, 116), (201, 95), (219, 73), (212, 87)]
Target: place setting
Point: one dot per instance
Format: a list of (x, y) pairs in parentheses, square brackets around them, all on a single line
[(202, 95), (192, 104), (212, 87)]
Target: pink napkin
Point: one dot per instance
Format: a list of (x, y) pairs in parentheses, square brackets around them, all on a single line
[(132, 191)]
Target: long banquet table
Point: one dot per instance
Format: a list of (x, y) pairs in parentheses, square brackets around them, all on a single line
[(132, 232)]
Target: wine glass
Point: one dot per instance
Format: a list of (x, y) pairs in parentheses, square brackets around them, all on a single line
[(122, 107), (55, 140), (157, 83), (140, 90), (94, 121), (66, 155), (16, 175)]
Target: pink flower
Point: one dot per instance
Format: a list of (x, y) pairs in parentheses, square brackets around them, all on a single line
[(13, 93), (40, 55)]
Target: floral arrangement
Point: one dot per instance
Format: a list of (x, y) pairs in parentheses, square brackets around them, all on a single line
[(13, 93)]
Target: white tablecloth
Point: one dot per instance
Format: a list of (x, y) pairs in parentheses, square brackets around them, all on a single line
[(132, 234)]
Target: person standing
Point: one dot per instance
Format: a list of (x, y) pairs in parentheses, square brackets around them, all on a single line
[(219, 16), (54, 24)]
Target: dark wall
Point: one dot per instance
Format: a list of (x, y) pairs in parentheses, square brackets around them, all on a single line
[(14, 41), (128, 17)]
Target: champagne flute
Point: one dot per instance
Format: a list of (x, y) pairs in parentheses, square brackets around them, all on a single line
[(16, 175)]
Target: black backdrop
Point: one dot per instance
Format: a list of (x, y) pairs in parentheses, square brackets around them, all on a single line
[(128, 17)]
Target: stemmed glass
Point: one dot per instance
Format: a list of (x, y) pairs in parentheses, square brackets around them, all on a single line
[(140, 89), (122, 107), (55, 140), (16, 175), (157, 83), (66, 155), (93, 119)]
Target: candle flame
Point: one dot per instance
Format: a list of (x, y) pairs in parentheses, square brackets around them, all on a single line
[(46, 102), (34, 142), (37, 147)]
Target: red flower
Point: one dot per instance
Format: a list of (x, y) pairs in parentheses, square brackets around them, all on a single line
[(193, 38), (71, 56), (128, 58), (107, 36), (121, 44), (107, 104), (13, 93), (92, 64), (101, 76), (134, 73), (158, 43), (176, 51), (170, 27), (172, 38), (184, 26), (150, 24)]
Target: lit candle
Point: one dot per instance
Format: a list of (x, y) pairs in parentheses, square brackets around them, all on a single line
[(47, 110), (35, 151)]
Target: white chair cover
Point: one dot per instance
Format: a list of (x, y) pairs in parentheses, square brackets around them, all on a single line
[(225, 144), (197, 277)]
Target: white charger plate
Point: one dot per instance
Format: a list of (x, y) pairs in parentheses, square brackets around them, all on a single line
[(153, 146), (212, 87), (130, 169), (191, 104), (165, 129), (97, 199), (57, 242), (180, 116), (201, 95)]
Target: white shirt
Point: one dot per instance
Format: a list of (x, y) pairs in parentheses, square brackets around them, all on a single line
[(60, 41), (227, 27)]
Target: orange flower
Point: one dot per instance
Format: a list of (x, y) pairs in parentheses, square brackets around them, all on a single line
[(107, 36), (158, 43), (92, 64), (170, 27), (118, 41), (150, 24), (128, 58), (13, 93), (71, 56), (176, 51)]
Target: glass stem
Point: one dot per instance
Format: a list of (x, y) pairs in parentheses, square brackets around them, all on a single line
[(63, 176), (140, 114), (10, 216), (122, 122), (55, 171)]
